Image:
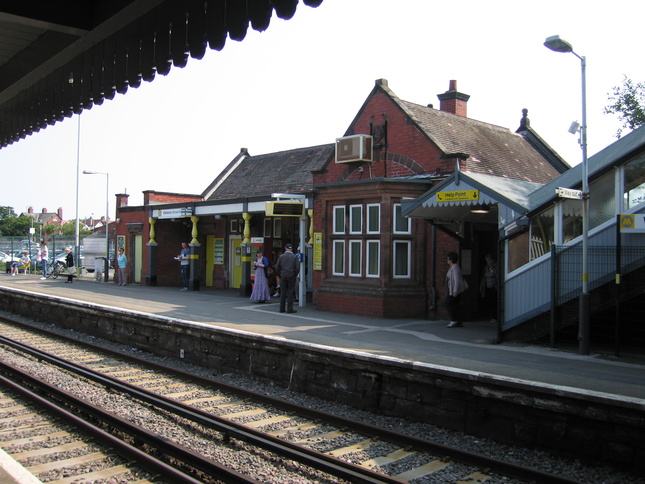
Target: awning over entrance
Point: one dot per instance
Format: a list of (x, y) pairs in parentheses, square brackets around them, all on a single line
[(472, 197)]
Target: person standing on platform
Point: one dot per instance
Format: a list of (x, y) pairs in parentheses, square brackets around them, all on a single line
[(44, 255), (488, 288), (122, 262), (184, 261), (71, 270), (455, 285), (288, 268), (261, 293)]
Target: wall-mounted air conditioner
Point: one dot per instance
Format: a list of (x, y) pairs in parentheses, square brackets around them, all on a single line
[(354, 148)]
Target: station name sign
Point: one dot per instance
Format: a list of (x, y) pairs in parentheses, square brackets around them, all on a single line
[(458, 196), (174, 212), (568, 193)]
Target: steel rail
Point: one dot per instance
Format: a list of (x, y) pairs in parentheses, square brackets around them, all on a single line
[(119, 447), (462, 456), (312, 458)]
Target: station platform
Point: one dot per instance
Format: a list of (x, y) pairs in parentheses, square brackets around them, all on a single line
[(468, 348)]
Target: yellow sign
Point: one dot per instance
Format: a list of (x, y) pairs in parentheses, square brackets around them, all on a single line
[(627, 222), (458, 196), (632, 223), (318, 251)]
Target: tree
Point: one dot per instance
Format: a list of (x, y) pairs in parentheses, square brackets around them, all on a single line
[(15, 226), (68, 229), (6, 212), (628, 103)]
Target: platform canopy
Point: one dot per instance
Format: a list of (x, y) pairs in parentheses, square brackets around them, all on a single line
[(59, 58)]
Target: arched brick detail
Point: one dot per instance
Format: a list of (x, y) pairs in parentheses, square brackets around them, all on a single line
[(397, 166)]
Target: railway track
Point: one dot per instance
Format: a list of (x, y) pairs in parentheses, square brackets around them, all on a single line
[(347, 450)]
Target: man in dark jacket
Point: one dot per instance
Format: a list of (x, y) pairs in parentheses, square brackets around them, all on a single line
[(288, 267)]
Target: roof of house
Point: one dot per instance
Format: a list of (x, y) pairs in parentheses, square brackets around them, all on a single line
[(491, 149), (487, 148), (259, 176)]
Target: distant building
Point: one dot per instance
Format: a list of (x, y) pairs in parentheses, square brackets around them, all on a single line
[(46, 218)]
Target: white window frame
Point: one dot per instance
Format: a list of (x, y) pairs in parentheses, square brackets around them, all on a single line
[(396, 216), (338, 249), (356, 212), (370, 207), (353, 244), (397, 244), (373, 250), (337, 211)]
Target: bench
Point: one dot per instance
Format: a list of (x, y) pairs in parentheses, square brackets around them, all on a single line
[(24, 268)]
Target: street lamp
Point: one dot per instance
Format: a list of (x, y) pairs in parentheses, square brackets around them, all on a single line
[(107, 219), (556, 44)]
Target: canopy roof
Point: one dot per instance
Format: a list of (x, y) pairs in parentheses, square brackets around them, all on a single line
[(56, 61)]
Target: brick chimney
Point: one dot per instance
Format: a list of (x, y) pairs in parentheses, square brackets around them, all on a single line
[(30, 210), (44, 210), (453, 101), (59, 212), (122, 200)]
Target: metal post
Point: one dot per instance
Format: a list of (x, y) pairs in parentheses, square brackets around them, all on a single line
[(107, 226), (556, 44), (584, 335)]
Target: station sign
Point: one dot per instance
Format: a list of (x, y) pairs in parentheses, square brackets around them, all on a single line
[(458, 196), (632, 223), (568, 193), (166, 213)]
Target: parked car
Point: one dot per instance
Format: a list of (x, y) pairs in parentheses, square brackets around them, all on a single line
[(4, 257)]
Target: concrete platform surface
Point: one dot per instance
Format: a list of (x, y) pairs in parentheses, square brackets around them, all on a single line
[(468, 348)]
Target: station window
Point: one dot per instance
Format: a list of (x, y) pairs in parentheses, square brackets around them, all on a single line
[(402, 225), (355, 219), (401, 259), (602, 205), (338, 268), (339, 219), (373, 268), (542, 233), (355, 258), (634, 189), (373, 218)]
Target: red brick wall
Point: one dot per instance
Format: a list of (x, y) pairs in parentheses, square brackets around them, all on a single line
[(409, 153)]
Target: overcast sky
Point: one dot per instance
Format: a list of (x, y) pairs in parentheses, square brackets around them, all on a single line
[(301, 82)]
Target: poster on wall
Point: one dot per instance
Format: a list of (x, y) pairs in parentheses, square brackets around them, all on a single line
[(219, 251), (318, 251), (120, 242)]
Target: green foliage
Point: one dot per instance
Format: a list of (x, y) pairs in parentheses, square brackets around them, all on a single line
[(15, 226), (6, 212), (628, 103), (68, 229)]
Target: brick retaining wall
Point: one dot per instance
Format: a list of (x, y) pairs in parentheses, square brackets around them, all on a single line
[(592, 426)]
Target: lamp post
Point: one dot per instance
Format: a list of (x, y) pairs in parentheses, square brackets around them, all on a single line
[(106, 278), (556, 44)]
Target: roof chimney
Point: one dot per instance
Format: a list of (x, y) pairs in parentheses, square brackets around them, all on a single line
[(60, 213), (44, 210), (453, 101), (122, 200), (30, 210)]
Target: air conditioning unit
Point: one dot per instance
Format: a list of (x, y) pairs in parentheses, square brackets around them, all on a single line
[(354, 148), (284, 209)]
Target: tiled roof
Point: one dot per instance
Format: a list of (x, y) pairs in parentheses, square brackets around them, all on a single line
[(491, 149), (285, 172)]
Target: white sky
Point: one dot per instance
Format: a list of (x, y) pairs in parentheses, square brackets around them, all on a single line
[(301, 82)]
